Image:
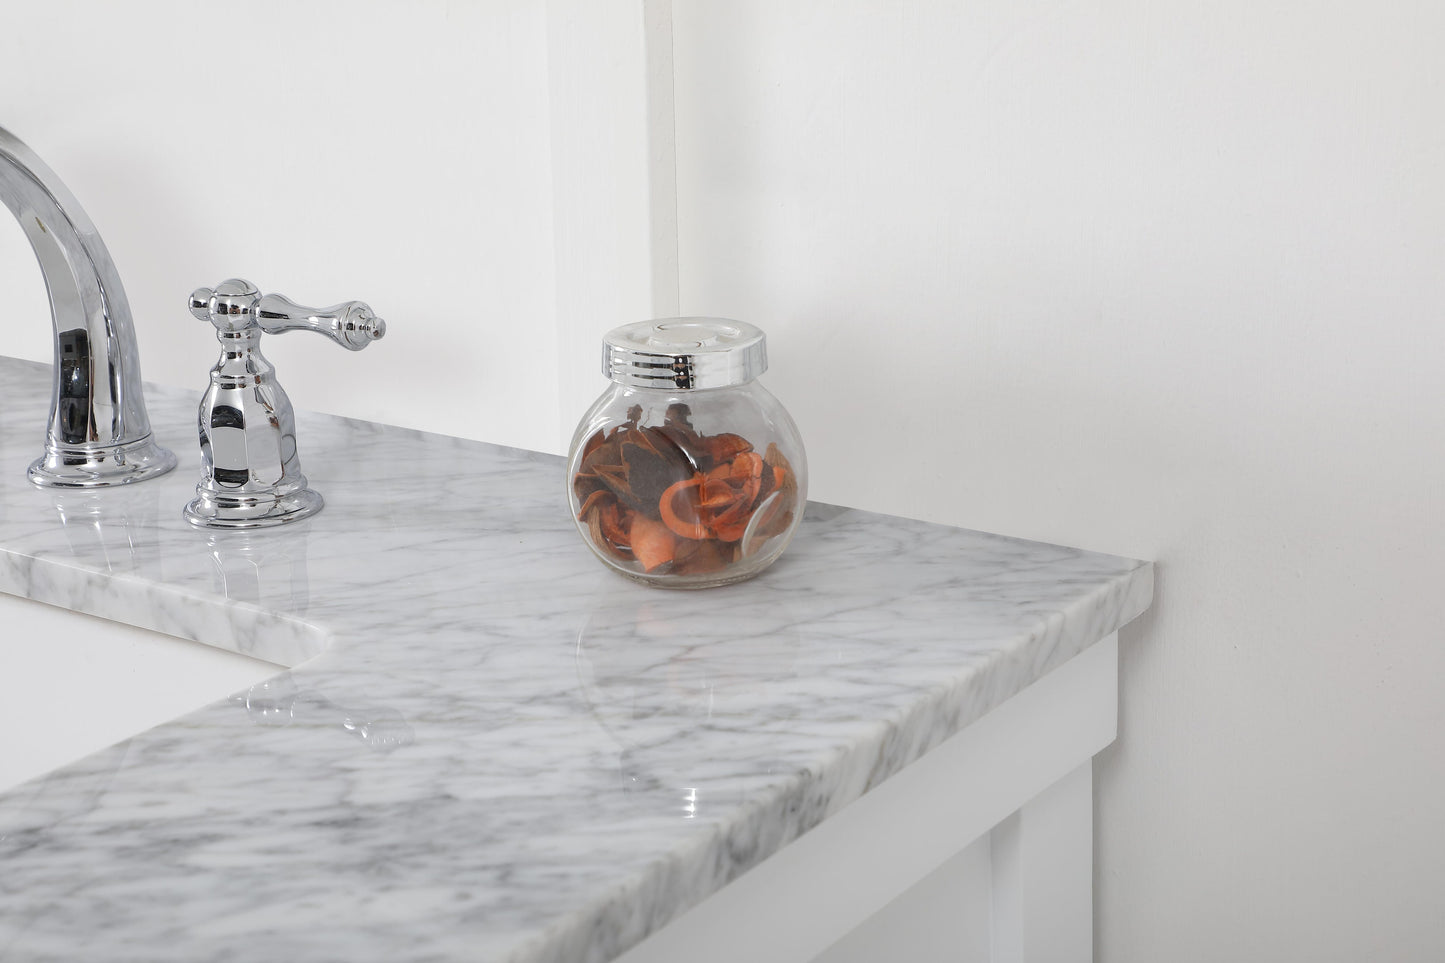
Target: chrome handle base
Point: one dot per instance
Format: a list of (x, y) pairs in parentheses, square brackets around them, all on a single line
[(235, 512), (100, 466), (250, 471)]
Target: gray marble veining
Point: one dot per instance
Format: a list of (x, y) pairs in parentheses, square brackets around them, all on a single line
[(488, 747)]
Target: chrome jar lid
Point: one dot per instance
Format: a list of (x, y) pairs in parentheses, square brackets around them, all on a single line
[(676, 353)]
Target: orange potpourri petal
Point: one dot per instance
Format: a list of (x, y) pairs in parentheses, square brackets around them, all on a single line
[(748, 468), (652, 543), (731, 524), (688, 523)]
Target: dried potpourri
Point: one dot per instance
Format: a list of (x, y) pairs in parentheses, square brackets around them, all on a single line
[(677, 501)]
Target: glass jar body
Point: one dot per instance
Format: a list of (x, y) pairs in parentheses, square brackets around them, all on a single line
[(687, 488)]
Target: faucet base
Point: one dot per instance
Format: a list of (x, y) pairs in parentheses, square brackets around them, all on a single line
[(102, 466), (240, 512)]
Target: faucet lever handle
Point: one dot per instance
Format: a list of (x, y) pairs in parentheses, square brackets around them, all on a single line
[(236, 305), (351, 324)]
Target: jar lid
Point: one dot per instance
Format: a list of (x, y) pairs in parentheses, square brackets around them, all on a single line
[(684, 353)]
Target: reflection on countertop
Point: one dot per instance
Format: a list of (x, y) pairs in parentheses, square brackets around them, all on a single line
[(279, 702), (112, 526), (262, 569), (654, 667)]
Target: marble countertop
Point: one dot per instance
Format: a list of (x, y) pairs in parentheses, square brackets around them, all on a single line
[(487, 747)]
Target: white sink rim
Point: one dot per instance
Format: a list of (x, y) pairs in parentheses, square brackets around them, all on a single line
[(79, 684)]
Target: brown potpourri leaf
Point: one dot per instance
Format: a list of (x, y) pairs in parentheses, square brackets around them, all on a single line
[(725, 447), (701, 558), (652, 464)]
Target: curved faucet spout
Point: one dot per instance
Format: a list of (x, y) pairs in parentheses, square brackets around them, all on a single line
[(99, 432)]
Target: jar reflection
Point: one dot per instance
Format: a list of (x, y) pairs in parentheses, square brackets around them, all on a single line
[(663, 675), (280, 702)]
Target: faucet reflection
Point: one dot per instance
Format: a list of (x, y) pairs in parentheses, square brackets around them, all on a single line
[(270, 571), (99, 432), (118, 527)]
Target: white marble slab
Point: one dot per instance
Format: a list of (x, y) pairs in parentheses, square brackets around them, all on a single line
[(489, 748)]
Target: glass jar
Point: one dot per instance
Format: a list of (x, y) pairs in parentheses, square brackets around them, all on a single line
[(686, 473)]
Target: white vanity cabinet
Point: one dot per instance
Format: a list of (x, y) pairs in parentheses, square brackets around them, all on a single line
[(981, 850)]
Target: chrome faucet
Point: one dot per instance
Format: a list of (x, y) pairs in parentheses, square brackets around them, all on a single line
[(250, 471), (99, 433)]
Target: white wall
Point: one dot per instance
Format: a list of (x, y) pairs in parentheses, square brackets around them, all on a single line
[(1164, 280), (1156, 280), (404, 154)]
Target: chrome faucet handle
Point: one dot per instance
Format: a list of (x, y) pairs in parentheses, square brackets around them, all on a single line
[(236, 305), (250, 471)]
